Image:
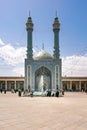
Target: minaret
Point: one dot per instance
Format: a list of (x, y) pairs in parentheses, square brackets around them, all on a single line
[(29, 28), (56, 29)]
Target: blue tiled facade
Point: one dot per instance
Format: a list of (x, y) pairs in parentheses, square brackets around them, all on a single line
[(44, 71)]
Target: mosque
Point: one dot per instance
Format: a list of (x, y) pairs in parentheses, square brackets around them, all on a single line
[(43, 71)]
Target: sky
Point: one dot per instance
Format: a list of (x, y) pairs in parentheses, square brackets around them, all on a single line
[(72, 38)]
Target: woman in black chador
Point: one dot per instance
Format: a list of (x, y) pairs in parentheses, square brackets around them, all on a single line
[(19, 93), (57, 93)]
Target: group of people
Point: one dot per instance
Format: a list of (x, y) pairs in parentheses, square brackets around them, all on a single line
[(12, 91), (19, 92), (3, 91), (55, 93), (48, 92)]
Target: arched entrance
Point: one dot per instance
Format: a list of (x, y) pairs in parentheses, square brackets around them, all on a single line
[(42, 79)]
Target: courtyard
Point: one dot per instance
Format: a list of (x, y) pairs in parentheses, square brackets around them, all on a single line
[(43, 113)]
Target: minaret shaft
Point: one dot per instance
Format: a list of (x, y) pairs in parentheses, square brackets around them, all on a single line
[(29, 45), (56, 44), (29, 28), (56, 28)]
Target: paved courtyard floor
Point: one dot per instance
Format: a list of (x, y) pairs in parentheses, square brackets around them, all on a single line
[(43, 113)]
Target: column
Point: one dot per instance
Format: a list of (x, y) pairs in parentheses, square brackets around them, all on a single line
[(70, 85), (15, 85), (85, 85), (5, 85), (59, 76), (80, 85)]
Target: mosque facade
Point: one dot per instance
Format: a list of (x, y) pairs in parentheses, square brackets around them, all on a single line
[(68, 83), (43, 71)]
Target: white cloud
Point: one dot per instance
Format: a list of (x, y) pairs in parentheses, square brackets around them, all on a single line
[(11, 58), (1, 42), (19, 71), (12, 62), (11, 55), (74, 66)]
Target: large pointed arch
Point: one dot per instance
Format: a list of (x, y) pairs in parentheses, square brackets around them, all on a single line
[(42, 79)]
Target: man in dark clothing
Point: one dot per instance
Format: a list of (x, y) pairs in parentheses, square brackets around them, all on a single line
[(57, 93), (19, 93)]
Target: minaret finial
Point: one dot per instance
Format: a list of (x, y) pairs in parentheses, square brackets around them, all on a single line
[(29, 13), (56, 13), (43, 46)]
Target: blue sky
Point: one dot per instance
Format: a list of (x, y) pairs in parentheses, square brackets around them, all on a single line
[(73, 31)]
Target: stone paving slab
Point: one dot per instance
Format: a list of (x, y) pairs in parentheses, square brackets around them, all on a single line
[(43, 113)]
